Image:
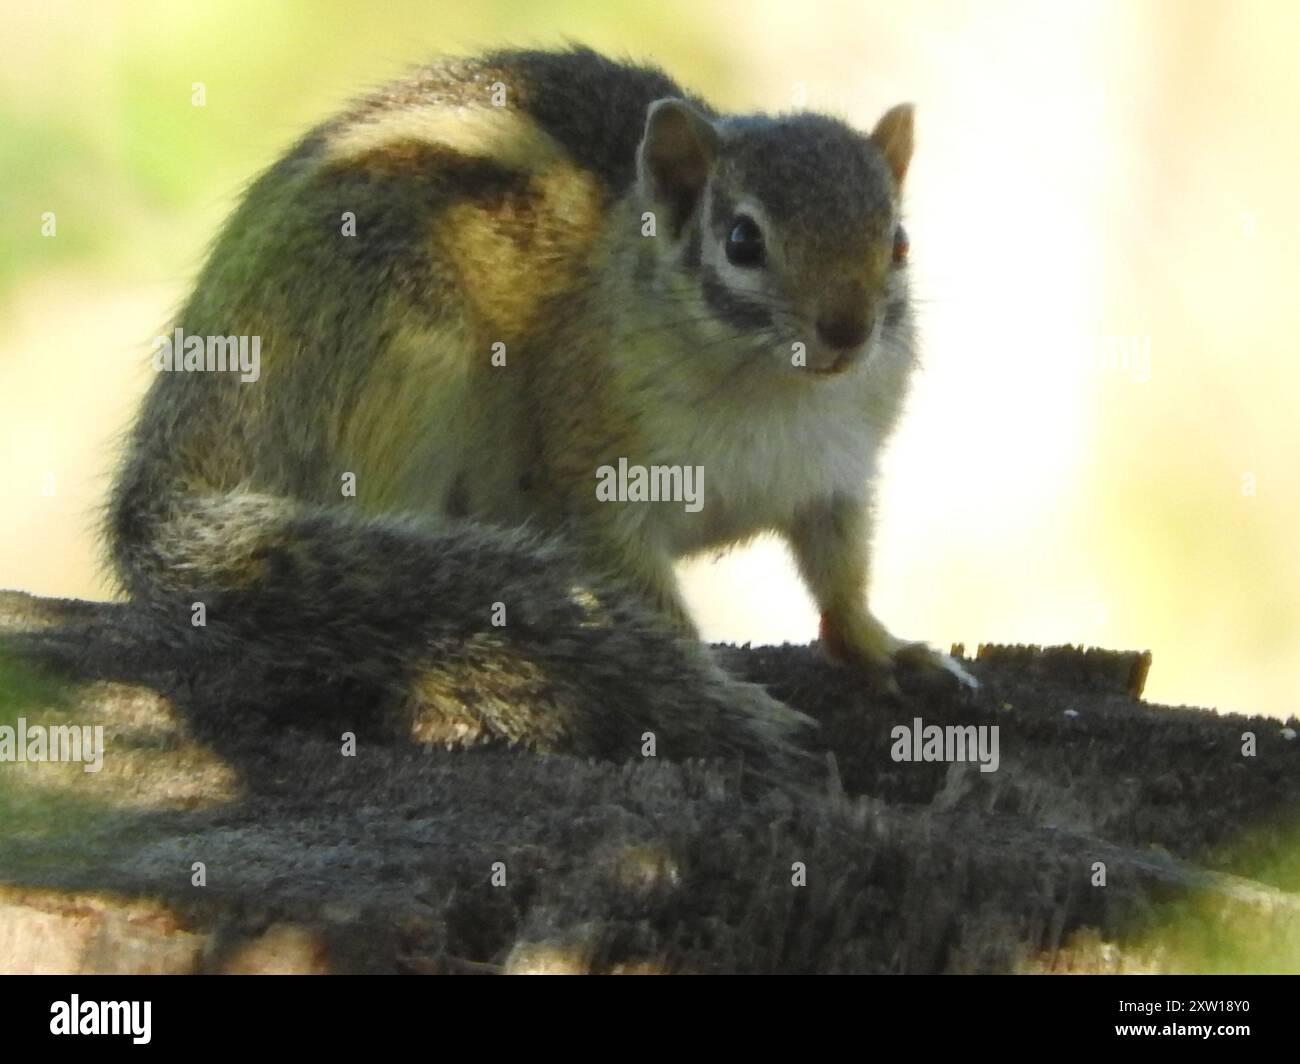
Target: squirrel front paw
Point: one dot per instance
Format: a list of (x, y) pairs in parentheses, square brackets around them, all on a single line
[(863, 643)]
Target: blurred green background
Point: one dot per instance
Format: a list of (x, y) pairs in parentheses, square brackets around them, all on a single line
[(1102, 446)]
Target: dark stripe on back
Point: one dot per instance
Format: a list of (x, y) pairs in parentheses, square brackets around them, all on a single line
[(398, 188), (443, 172), (595, 107)]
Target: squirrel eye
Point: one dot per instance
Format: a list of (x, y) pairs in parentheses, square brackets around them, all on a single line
[(900, 246), (745, 244)]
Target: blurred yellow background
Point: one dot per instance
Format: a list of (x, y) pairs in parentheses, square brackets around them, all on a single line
[(1104, 223)]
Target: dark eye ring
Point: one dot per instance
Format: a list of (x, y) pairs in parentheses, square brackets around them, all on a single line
[(745, 243), (900, 246)]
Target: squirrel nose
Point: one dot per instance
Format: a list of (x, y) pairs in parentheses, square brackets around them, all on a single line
[(842, 331)]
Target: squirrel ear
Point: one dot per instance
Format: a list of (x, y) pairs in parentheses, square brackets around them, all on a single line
[(893, 136), (675, 156)]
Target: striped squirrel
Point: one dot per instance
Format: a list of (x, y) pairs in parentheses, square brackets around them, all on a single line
[(473, 291)]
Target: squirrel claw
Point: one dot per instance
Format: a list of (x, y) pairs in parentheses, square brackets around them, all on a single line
[(886, 657), (924, 658)]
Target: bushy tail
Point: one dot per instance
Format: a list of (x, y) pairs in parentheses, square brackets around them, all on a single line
[(473, 634)]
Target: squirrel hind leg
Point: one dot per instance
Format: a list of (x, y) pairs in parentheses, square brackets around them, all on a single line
[(648, 687), (603, 677)]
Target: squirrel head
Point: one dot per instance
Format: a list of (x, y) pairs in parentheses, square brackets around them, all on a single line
[(778, 231)]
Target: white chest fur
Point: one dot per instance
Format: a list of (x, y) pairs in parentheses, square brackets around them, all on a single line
[(763, 458)]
